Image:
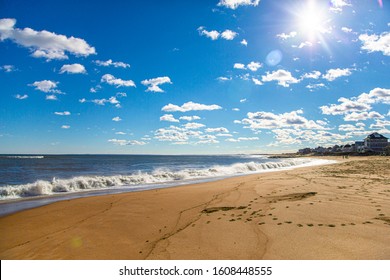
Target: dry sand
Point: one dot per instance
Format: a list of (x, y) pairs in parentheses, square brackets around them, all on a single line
[(339, 211)]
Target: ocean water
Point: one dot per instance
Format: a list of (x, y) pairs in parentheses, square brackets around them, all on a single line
[(48, 176)]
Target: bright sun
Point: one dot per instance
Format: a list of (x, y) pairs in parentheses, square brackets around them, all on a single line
[(311, 20)]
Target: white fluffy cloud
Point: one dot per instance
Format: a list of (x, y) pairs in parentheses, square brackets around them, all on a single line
[(376, 43), (111, 80), (239, 66), (46, 86), (153, 84), (234, 140), (283, 77), (21, 97), (116, 119), (380, 124), (234, 4), (65, 126), (257, 82), (228, 34), (350, 127), (357, 107), (214, 34), (377, 95), (65, 113), (346, 29), (51, 97), (190, 106), (346, 105), (193, 125), (8, 68), (189, 118), (112, 100), (121, 142), (248, 138), (111, 63), (312, 87), (338, 5), (44, 44), (285, 36), (103, 101), (172, 134), (75, 68), (312, 75), (333, 74), (253, 66), (224, 79), (244, 42), (268, 120), (168, 118), (303, 44), (217, 129), (361, 116)]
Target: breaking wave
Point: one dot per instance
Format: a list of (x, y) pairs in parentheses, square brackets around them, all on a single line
[(21, 157), (142, 179)]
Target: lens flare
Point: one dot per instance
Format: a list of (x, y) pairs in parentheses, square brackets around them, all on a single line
[(274, 58)]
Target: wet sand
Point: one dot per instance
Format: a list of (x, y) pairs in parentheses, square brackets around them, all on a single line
[(338, 211)]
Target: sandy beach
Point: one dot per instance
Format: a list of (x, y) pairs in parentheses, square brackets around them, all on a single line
[(338, 211)]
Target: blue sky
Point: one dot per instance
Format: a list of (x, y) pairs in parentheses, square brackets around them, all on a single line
[(191, 77)]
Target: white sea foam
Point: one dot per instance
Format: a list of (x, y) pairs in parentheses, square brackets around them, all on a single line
[(158, 176), (21, 157)]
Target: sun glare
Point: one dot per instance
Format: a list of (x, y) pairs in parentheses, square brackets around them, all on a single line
[(311, 20)]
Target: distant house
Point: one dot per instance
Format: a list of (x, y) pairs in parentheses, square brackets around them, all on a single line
[(336, 149), (346, 148), (304, 151), (375, 142), (359, 146)]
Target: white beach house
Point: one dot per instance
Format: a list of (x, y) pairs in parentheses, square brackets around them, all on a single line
[(375, 142)]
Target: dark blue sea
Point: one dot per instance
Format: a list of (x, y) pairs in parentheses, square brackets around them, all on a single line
[(55, 177)]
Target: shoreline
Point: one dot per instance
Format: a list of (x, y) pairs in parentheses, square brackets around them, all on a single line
[(320, 212), (14, 205)]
